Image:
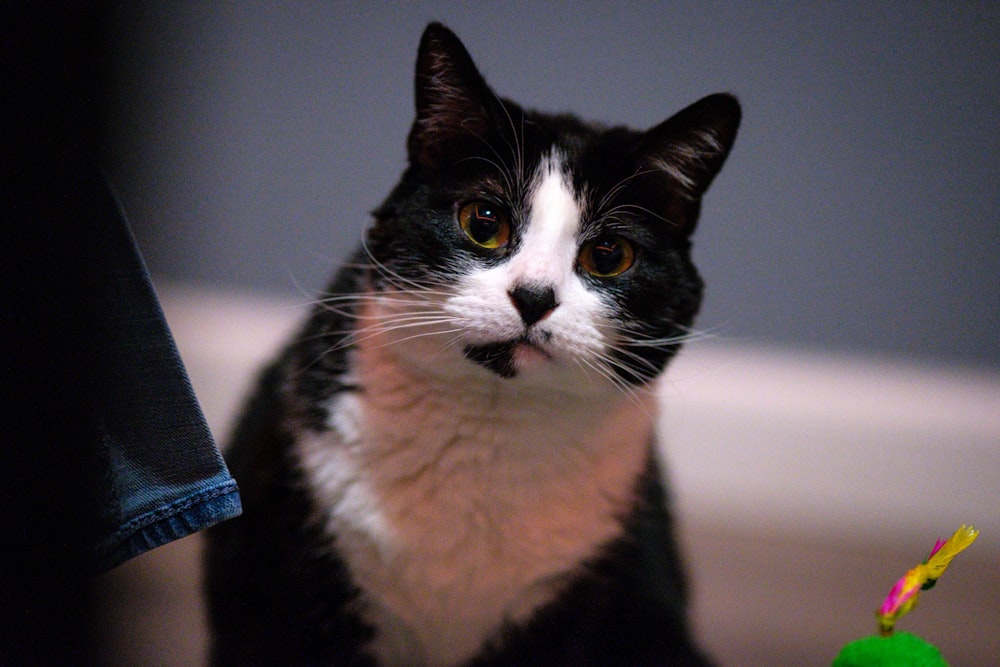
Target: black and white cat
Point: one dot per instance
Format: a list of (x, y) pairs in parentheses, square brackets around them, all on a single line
[(454, 461)]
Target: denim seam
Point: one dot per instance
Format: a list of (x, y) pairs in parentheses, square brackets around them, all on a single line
[(178, 506)]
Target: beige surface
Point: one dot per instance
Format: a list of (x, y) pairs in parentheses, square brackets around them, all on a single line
[(807, 484), (761, 602)]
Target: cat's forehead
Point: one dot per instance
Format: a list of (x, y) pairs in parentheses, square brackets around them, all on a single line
[(557, 196), (583, 164), (553, 204), (550, 225), (551, 179)]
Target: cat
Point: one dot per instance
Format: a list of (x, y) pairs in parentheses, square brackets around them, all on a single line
[(454, 461)]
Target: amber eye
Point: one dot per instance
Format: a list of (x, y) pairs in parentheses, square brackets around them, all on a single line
[(607, 256), (486, 224)]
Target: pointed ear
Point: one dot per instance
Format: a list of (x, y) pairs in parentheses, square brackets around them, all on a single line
[(679, 158), (453, 101), (691, 146)]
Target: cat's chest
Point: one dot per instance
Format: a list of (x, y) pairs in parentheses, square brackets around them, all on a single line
[(457, 510)]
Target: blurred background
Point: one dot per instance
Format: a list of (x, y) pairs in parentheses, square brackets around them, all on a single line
[(849, 412), (860, 209)]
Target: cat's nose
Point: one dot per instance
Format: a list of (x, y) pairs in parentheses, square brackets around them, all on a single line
[(533, 302)]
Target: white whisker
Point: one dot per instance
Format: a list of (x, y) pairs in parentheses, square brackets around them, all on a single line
[(605, 369)]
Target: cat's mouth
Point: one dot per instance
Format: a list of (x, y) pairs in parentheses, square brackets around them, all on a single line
[(506, 357)]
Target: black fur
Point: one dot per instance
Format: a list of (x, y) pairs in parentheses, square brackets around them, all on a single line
[(278, 591)]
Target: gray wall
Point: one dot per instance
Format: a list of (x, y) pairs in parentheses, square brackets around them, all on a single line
[(859, 211)]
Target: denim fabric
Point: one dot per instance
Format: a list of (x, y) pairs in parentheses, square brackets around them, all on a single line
[(110, 453), (104, 452), (165, 477)]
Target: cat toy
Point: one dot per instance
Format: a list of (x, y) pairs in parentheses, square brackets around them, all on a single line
[(892, 649)]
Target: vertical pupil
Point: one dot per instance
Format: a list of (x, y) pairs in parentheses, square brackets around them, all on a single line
[(484, 224), (607, 255)]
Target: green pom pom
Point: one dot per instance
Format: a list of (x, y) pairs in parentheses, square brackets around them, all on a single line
[(901, 649)]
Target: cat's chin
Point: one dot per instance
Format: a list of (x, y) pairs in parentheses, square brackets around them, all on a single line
[(508, 359)]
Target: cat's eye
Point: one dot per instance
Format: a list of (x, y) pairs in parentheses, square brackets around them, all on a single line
[(607, 256), (486, 224)]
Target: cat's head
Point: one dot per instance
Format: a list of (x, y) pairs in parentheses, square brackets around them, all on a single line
[(519, 242)]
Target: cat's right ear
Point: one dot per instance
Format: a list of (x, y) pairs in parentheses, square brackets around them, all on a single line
[(454, 103)]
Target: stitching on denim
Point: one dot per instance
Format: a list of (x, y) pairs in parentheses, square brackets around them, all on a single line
[(174, 508)]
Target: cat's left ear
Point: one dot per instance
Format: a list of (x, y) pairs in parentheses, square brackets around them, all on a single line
[(681, 156), (454, 103)]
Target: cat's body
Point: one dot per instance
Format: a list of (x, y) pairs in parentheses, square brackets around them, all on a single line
[(454, 460)]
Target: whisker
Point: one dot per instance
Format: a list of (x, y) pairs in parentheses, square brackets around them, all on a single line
[(397, 280), (605, 369), (632, 337), (357, 337), (622, 208), (396, 341), (617, 188), (635, 364), (340, 305)]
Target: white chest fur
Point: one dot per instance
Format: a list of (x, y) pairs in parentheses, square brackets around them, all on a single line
[(461, 499), (460, 505)]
